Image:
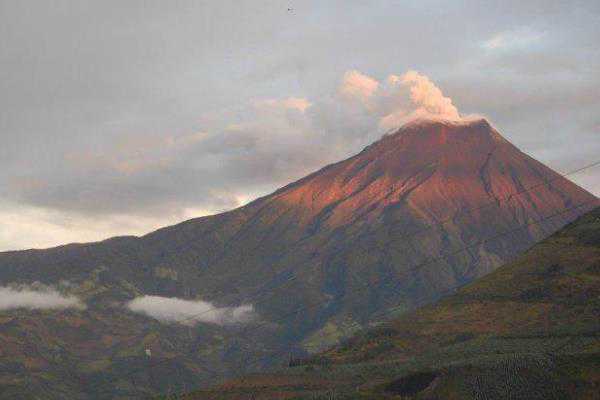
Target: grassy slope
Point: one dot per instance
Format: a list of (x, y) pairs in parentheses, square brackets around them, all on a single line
[(529, 330)]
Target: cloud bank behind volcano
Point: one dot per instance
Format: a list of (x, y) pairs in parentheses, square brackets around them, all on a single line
[(141, 182)]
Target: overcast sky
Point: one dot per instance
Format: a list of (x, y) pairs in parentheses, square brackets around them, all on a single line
[(118, 117)]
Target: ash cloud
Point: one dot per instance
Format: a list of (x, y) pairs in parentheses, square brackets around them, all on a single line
[(399, 99), (36, 297), (189, 312)]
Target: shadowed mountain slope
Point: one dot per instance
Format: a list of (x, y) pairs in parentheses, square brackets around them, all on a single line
[(306, 252), (530, 330)]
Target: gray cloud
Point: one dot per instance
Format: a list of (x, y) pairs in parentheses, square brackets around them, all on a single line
[(189, 312), (36, 297)]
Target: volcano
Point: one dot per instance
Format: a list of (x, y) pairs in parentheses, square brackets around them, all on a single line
[(412, 217)]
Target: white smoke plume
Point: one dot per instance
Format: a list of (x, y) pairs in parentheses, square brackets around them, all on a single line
[(399, 99), (36, 296), (189, 312)]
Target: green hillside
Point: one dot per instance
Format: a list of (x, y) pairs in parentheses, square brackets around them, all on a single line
[(529, 330)]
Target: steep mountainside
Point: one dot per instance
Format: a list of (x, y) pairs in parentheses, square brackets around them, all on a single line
[(529, 330), (306, 252)]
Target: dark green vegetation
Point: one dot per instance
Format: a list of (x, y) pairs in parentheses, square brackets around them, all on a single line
[(529, 330), (334, 252)]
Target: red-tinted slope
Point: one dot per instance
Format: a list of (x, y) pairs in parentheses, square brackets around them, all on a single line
[(432, 167)]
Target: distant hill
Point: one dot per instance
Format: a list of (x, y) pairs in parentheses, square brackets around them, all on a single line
[(332, 252), (529, 330)]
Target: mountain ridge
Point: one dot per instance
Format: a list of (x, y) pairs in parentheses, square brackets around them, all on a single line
[(423, 191)]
